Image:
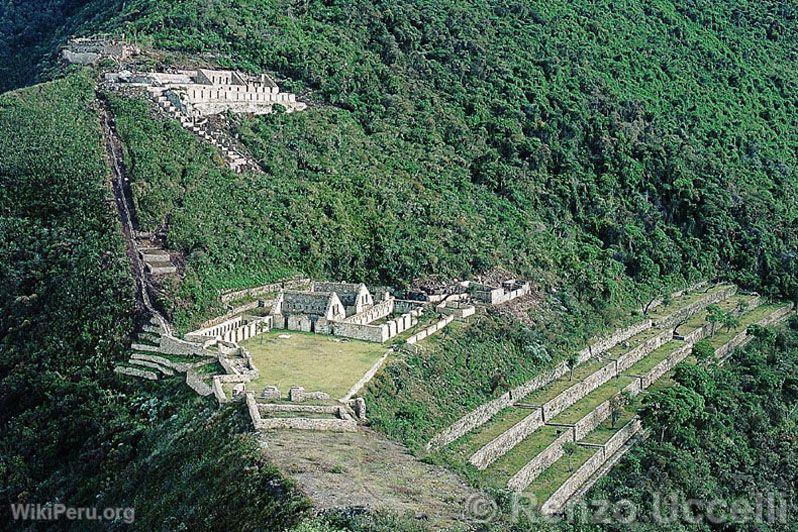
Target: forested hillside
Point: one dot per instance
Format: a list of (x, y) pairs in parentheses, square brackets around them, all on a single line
[(608, 151), (71, 430)]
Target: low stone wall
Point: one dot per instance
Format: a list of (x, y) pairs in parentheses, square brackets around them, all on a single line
[(622, 436), (579, 390), (236, 329), (197, 384), (602, 345), (569, 487), (679, 293), (457, 309), (540, 463), (374, 313), (432, 329), (666, 365), (297, 394), (507, 440), (308, 409), (368, 333), (293, 284), (133, 372), (366, 378), (560, 497), (631, 357), (588, 423), (683, 313), (742, 338), (485, 412), (174, 346), (303, 423)]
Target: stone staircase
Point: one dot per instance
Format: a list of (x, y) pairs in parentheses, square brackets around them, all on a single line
[(191, 119), (154, 357), (155, 258)]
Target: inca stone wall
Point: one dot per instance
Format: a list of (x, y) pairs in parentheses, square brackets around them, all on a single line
[(507, 440), (541, 462), (578, 390), (485, 412), (569, 487), (374, 313), (683, 313), (630, 358), (666, 365), (432, 329), (303, 423), (294, 284), (601, 345), (581, 475)]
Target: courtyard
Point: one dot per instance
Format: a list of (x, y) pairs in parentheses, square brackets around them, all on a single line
[(315, 362)]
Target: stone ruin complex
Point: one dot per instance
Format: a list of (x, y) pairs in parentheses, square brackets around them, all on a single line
[(89, 50), (192, 96), (215, 364)]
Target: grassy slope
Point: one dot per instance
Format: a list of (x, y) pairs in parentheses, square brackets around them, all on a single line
[(72, 431)]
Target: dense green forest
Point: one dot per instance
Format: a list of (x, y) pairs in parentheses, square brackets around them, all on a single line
[(607, 150)]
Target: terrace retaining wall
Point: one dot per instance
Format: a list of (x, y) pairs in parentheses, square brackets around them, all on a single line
[(540, 463), (568, 397), (507, 440)]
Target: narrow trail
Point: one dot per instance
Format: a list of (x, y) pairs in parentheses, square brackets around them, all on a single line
[(127, 214)]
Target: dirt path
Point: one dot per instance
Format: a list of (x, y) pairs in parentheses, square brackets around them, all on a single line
[(365, 470)]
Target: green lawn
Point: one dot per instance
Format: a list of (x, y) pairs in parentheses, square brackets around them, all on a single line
[(542, 395), (589, 402), (655, 357), (314, 361), (552, 478)]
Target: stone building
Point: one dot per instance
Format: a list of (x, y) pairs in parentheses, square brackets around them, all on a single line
[(342, 309), (208, 92)]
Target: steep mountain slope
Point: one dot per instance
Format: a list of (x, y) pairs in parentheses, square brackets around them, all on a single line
[(73, 432), (606, 150)]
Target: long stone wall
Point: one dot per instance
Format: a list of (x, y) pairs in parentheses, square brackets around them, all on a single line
[(432, 329), (507, 440), (741, 338), (541, 462), (579, 390), (374, 313), (558, 499), (685, 312), (368, 333), (604, 344), (485, 412), (666, 365), (293, 284), (631, 357), (305, 423)]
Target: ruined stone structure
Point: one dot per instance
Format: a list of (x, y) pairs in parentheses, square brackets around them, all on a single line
[(89, 50), (190, 96), (342, 309)]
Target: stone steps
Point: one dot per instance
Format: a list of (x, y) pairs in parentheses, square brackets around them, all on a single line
[(153, 365), (550, 407), (136, 372)]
